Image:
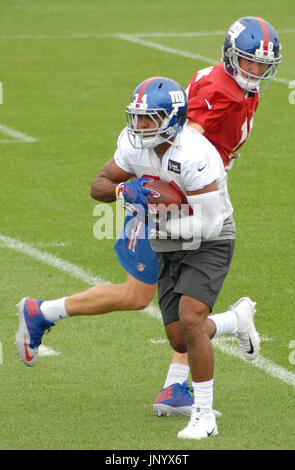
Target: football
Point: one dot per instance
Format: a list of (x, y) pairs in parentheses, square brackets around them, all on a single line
[(167, 194)]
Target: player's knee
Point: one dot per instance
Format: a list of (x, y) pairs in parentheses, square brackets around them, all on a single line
[(192, 313), (141, 303), (179, 347), (177, 343), (137, 300), (138, 295), (192, 316), (175, 337)]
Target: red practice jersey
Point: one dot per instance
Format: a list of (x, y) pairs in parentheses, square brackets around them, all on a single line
[(218, 104)]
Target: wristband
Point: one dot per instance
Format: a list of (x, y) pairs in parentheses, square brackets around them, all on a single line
[(120, 191)]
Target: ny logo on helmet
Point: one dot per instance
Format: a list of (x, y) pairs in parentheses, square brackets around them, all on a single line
[(178, 99), (236, 30)]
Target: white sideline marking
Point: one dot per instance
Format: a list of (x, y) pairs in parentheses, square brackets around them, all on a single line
[(266, 365), (19, 136)]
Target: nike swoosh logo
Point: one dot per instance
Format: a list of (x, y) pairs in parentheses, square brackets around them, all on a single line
[(200, 168), (251, 347), (210, 106), (209, 433), (153, 193), (202, 164), (29, 358)]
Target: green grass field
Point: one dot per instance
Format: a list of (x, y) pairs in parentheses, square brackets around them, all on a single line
[(68, 73)]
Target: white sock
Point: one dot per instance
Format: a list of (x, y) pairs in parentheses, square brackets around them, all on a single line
[(226, 323), (203, 392), (177, 373), (54, 310)]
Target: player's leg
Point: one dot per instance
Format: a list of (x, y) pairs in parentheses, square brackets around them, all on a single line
[(130, 295), (193, 320), (182, 279), (199, 284), (136, 257), (35, 316), (185, 281), (175, 398), (168, 402)]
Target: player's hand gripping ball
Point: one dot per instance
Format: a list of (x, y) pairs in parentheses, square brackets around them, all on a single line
[(164, 194)]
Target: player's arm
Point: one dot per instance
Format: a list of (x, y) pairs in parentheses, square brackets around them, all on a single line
[(103, 187), (207, 215), (110, 183)]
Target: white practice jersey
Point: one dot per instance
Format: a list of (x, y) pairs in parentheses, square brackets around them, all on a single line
[(191, 162)]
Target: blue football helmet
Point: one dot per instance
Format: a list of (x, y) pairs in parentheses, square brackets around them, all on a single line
[(254, 39), (165, 102)]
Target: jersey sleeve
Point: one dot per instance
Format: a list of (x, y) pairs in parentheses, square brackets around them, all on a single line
[(196, 175), (123, 152), (208, 106)]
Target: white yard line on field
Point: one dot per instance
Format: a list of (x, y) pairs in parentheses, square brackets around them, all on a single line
[(171, 34), (77, 272), (136, 38), (262, 363), (51, 260), (171, 50), (19, 136)]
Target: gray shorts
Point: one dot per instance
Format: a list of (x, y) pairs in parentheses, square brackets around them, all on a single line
[(198, 273)]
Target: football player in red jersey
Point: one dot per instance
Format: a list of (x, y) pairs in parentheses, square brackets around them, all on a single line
[(222, 100), (223, 113)]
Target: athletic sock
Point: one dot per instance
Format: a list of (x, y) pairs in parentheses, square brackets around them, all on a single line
[(226, 323), (177, 373), (54, 310), (203, 392)]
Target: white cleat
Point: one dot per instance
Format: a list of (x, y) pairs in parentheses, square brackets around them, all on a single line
[(201, 425), (247, 335), (22, 339)]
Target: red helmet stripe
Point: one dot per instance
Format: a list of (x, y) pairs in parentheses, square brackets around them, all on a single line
[(265, 33), (143, 88)]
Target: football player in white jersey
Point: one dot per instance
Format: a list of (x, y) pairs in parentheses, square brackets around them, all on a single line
[(194, 254)]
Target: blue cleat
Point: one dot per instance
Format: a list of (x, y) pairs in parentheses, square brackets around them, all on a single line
[(32, 326), (175, 400)]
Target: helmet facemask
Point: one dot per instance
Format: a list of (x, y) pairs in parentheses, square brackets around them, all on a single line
[(151, 137), (246, 80)]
